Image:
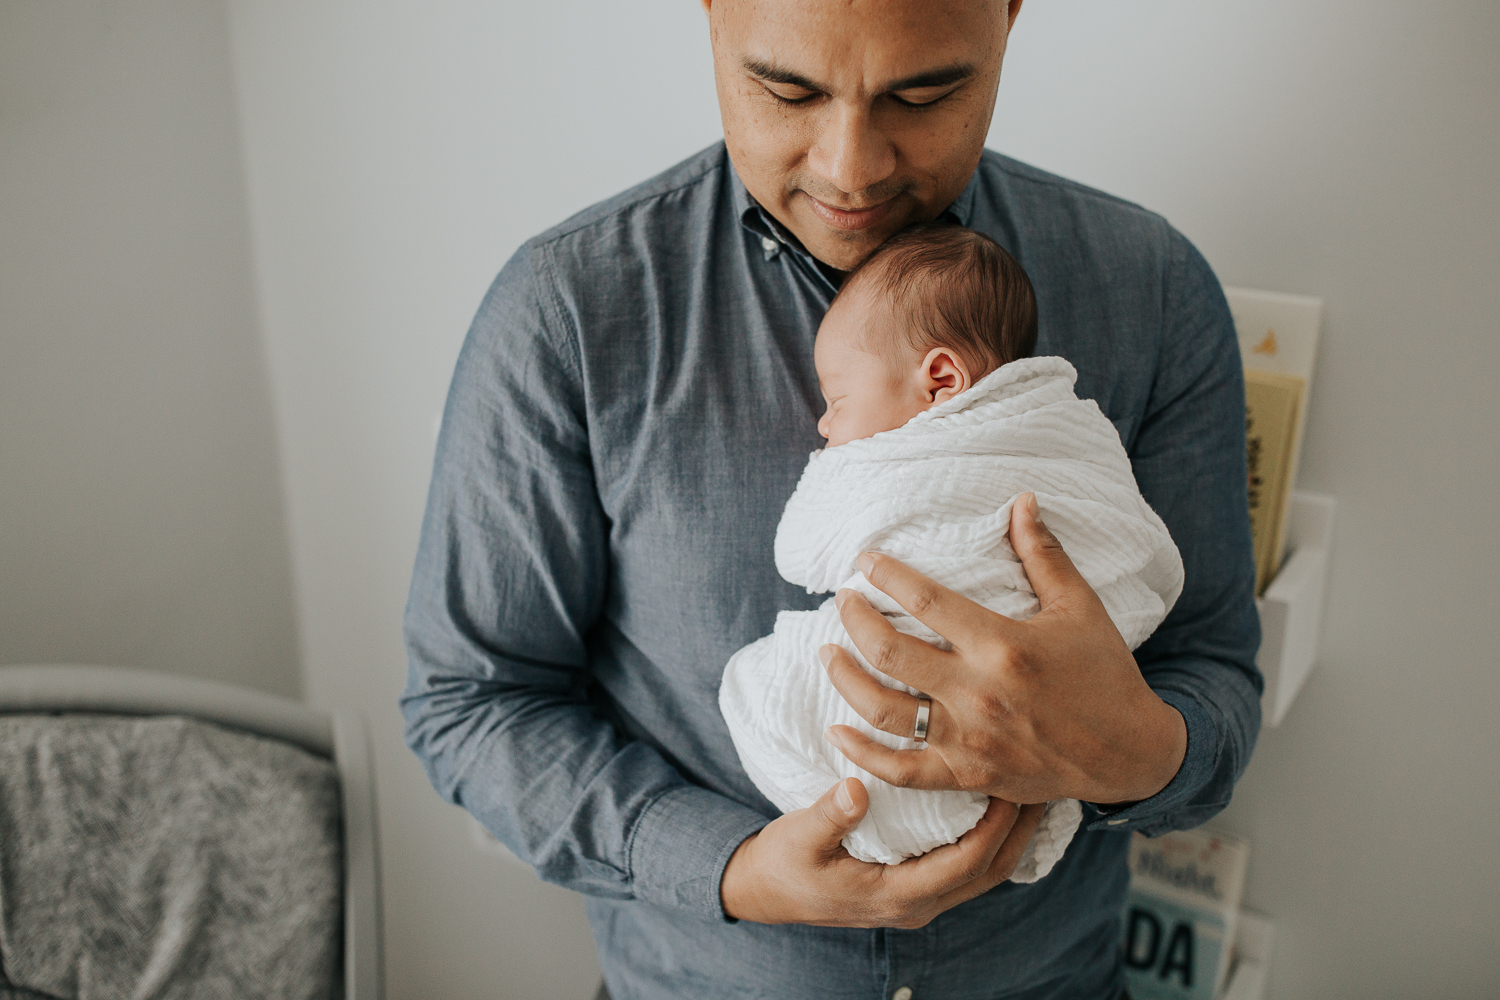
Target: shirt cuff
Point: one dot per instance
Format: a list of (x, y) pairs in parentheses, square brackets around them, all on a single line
[(681, 845), (1195, 771)]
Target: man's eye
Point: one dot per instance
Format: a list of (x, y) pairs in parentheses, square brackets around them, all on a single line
[(923, 98), (790, 95)]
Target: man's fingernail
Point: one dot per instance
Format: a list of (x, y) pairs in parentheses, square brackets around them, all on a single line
[(840, 598), (1036, 513), (1031, 505), (845, 800), (825, 653), (831, 735), (865, 562)]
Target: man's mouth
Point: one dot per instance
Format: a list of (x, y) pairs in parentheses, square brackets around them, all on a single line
[(851, 218)]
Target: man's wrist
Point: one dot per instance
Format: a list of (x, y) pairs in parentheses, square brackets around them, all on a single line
[(1155, 769), (730, 881), (1173, 749)]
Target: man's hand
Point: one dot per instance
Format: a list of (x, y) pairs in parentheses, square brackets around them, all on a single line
[(1030, 711), (796, 871)]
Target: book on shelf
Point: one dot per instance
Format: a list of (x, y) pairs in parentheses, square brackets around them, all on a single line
[(1273, 408), (1178, 926), (1278, 336)]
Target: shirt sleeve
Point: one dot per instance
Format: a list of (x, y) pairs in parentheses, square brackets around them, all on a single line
[(510, 577), (1189, 459)]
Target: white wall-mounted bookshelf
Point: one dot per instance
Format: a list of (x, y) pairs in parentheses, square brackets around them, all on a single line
[(1291, 609), (1254, 934)]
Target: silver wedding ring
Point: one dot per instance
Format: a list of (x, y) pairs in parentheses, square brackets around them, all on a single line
[(924, 711)]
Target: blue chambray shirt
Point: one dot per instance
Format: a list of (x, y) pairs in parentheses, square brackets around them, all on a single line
[(630, 412)]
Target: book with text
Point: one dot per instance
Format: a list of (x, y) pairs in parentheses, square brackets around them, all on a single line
[(1278, 337), (1180, 913)]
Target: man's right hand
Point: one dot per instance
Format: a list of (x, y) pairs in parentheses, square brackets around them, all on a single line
[(796, 871)]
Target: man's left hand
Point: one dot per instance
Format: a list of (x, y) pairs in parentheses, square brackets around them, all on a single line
[(1026, 711)]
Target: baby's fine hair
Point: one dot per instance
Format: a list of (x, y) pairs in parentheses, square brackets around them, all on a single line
[(957, 288)]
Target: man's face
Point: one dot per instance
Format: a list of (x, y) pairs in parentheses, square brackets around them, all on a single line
[(849, 120)]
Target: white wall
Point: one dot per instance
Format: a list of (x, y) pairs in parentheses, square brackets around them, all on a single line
[(398, 152), (140, 506)]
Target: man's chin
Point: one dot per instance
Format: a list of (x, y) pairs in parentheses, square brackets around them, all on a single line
[(844, 249)]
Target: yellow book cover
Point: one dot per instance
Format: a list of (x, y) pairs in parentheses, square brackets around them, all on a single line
[(1273, 403), (1278, 337)]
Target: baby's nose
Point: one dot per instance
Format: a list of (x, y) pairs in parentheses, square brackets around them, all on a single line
[(823, 425)]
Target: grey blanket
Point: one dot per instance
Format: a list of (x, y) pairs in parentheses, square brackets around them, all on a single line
[(165, 858)]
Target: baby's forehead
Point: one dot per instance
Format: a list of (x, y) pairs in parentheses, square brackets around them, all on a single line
[(866, 289), (864, 315), (858, 301)]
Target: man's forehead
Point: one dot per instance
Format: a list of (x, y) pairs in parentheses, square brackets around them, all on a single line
[(877, 44)]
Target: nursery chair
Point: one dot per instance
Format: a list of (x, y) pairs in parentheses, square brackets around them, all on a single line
[(168, 837)]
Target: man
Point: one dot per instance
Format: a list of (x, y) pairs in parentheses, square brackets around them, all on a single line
[(631, 410)]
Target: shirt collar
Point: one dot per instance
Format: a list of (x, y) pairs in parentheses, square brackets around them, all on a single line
[(962, 209)]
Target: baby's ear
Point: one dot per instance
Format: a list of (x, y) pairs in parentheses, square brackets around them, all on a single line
[(943, 374)]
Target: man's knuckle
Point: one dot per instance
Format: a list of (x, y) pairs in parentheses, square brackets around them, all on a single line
[(923, 600), (885, 717), (899, 913), (904, 902), (991, 705), (970, 778), (1019, 661), (892, 914), (886, 651)]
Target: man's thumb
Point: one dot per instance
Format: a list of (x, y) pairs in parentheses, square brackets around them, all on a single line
[(1047, 566), (839, 811)]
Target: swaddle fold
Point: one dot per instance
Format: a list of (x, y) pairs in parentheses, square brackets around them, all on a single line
[(936, 493)]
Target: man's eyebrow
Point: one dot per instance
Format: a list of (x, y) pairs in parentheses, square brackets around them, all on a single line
[(775, 74), (940, 77)]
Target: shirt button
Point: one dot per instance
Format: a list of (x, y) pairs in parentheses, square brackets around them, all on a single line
[(904, 993), (769, 245)]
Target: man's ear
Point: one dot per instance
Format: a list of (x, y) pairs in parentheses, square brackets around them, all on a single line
[(943, 374)]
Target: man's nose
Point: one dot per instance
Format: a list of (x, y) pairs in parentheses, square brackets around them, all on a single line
[(850, 152)]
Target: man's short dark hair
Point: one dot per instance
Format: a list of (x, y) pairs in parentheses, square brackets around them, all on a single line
[(957, 288)]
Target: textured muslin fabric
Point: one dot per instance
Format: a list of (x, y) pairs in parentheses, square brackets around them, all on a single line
[(166, 858), (937, 494)]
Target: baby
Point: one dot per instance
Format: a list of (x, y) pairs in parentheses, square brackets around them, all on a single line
[(937, 419), (932, 311)]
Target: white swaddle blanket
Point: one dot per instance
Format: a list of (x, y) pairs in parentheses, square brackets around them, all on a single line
[(936, 493)]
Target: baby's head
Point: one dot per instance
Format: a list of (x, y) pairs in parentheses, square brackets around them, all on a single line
[(932, 311)]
